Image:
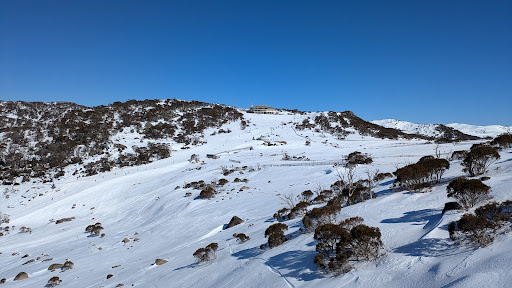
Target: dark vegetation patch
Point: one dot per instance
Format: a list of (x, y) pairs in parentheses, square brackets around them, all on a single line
[(421, 175), (44, 138), (483, 226)]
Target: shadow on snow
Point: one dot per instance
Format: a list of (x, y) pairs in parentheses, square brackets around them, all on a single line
[(295, 264), (425, 215), (430, 247)]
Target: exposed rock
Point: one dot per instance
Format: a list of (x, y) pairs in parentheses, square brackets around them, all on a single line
[(55, 266), (160, 261), (234, 221), (21, 276)]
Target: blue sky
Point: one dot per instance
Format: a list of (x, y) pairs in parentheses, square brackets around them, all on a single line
[(422, 61)]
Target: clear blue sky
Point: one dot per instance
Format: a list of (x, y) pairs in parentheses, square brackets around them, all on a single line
[(423, 61)]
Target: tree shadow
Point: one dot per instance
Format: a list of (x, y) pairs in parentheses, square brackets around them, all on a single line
[(425, 215), (504, 161), (296, 264), (444, 227), (430, 247), (193, 265), (387, 183), (455, 283), (247, 253), (446, 180), (384, 192), (270, 220)]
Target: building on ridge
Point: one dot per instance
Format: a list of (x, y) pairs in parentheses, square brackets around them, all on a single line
[(262, 109)]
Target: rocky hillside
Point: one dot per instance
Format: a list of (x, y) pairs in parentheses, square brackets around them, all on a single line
[(40, 139)]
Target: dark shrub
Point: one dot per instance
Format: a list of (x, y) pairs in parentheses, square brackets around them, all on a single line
[(503, 141), (366, 242), (241, 237), (468, 192), (459, 155), (68, 265), (351, 222), (330, 236), (324, 215), (319, 261), (95, 229), (479, 159), (299, 209), (281, 214), (306, 196), (481, 228), (207, 193), (357, 157), (307, 223), (337, 244), (54, 281), (421, 175), (275, 234), (207, 253), (451, 206)]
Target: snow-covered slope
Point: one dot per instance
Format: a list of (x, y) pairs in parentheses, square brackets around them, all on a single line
[(430, 130), (481, 131), (148, 205), (409, 127)]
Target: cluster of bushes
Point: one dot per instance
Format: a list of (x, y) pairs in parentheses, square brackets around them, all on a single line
[(207, 253), (346, 191), (421, 175), (350, 240), (482, 227), (95, 230), (207, 193), (349, 191), (300, 209), (207, 190), (502, 141), (241, 237), (357, 157)]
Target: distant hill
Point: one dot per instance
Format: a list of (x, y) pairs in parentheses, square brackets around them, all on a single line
[(481, 131), (437, 131)]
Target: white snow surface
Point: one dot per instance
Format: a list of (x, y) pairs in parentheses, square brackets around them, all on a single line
[(481, 131), (144, 202), (409, 127), (430, 129)]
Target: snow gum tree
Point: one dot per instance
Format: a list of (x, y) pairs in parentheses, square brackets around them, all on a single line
[(468, 192), (275, 234), (350, 240), (479, 159)]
